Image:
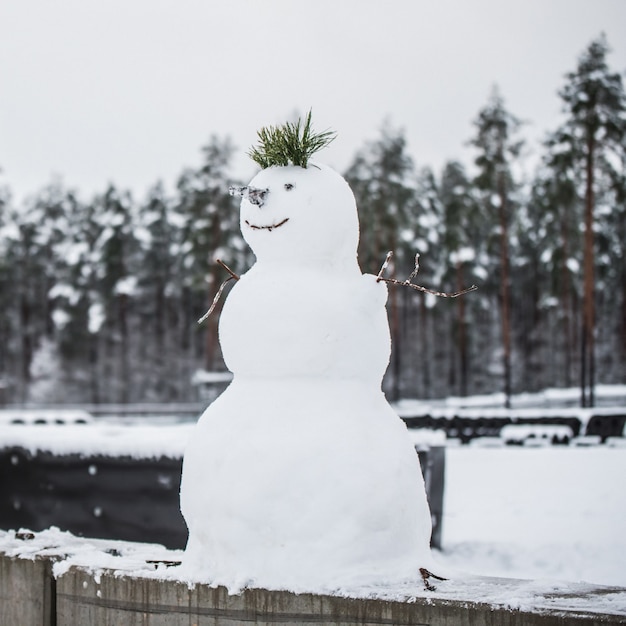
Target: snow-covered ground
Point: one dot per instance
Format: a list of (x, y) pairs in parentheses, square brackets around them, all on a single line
[(552, 512), (549, 512), (605, 395)]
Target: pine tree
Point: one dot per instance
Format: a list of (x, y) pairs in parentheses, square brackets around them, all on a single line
[(158, 240), (80, 297), (595, 108), (7, 301), (209, 230), (382, 178), (424, 236), (497, 152), (32, 236), (462, 239), (116, 248), (553, 238), (616, 229)]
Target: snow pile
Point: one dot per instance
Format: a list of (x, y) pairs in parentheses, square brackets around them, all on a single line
[(300, 475)]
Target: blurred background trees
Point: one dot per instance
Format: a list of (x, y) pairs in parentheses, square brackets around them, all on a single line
[(99, 299)]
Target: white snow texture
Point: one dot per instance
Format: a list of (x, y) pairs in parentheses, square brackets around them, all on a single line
[(300, 475)]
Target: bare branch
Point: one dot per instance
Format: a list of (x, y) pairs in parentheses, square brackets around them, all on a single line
[(417, 267), (219, 291), (384, 266), (408, 283), (233, 275)]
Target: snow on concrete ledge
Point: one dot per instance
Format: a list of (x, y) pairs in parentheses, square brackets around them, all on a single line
[(136, 441), (112, 582)]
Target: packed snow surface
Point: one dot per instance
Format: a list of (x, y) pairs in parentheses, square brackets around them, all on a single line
[(301, 474), (554, 512)]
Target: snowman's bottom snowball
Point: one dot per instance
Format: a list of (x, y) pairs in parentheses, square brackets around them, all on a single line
[(303, 485)]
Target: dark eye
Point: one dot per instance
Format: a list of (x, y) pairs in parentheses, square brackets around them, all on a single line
[(288, 186)]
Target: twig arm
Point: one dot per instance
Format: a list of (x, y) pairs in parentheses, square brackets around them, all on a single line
[(442, 294), (232, 274), (218, 295), (384, 266), (408, 283)]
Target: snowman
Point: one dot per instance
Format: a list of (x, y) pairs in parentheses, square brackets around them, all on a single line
[(300, 475)]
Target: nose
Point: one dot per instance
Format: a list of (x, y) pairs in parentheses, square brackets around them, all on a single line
[(252, 194)]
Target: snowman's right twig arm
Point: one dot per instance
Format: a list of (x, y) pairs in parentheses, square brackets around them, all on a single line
[(220, 290)]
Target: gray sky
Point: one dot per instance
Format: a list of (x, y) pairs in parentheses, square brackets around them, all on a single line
[(129, 90)]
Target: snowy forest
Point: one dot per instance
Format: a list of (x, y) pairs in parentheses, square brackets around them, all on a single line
[(99, 299)]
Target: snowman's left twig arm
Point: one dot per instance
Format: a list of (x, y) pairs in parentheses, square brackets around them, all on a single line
[(232, 274), (219, 291), (408, 283)]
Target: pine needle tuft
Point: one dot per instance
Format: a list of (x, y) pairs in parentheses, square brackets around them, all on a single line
[(289, 144)]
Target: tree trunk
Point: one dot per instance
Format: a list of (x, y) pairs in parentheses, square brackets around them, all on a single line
[(124, 347), (462, 333), (505, 291), (622, 327), (26, 351), (622, 321), (567, 304), (587, 347), (158, 384), (93, 369), (211, 329), (425, 355), (212, 340)]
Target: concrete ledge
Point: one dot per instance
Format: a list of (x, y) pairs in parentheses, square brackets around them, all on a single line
[(126, 601), (27, 591), (133, 593)]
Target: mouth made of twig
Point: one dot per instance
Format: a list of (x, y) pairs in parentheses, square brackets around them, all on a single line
[(271, 227)]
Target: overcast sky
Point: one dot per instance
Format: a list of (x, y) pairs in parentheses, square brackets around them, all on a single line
[(127, 91)]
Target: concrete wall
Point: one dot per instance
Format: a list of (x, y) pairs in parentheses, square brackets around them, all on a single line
[(27, 592), (29, 596)]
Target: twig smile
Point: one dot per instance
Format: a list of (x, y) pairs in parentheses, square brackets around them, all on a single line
[(271, 227)]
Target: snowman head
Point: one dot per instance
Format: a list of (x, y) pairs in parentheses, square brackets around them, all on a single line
[(293, 210), (299, 215)]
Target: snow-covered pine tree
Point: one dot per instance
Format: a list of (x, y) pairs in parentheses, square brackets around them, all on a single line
[(116, 247), (209, 229), (594, 129), (382, 178), (158, 239), (554, 243), (498, 149), (463, 231)]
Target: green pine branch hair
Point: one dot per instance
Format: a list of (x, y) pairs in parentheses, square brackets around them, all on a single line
[(289, 144)]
